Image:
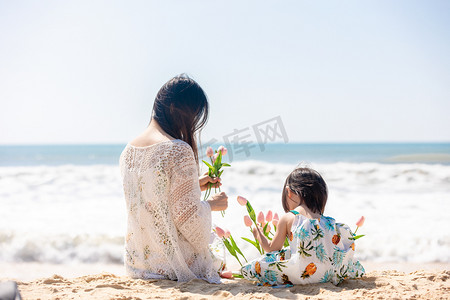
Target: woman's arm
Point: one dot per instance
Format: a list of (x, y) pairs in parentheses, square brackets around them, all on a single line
[(277, 242), (191, 217)]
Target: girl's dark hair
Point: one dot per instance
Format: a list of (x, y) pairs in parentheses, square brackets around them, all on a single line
[(181, 109), (309, 186)]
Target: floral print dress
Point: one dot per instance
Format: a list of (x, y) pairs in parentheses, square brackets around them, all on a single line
[(319, 251)]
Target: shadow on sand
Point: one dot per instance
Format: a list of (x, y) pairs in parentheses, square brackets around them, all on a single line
[(242, 287)]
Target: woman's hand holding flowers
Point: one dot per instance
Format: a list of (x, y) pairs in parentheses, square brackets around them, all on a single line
[(214, 170), (218, 202), (207, 181)]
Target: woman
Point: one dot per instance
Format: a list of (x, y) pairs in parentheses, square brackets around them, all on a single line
[(169, 228)]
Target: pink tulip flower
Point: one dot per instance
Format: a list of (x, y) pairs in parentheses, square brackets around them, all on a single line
[(247, 221), (227, 234), (268, 229), (360, 222), (260, 218), (226, 274), (275, 222), (220, 232), (241, 200), (275, 219), (269, 216), (214, 157), (209, 152), (223, 150)]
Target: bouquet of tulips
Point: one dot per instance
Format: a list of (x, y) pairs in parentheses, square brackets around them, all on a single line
[(228, 239), (262, 221), (229, 242), (214, 168), (249, 220)]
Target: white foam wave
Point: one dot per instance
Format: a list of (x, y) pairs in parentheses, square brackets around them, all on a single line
[(77, 213), (61, 248)]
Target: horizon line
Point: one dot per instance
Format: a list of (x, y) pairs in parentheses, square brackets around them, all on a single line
[(270, 143)]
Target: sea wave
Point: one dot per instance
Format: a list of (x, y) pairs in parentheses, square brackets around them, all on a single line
[(60, 248), (72, 213)]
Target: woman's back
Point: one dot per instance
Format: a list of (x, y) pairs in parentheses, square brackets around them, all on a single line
[(168, 226)]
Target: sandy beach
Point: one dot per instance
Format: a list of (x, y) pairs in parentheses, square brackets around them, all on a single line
[(383, 281)]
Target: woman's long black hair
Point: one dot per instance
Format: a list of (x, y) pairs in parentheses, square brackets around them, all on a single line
[(181, 109)]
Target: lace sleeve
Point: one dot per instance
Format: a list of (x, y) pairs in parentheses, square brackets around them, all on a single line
[(191, 216)]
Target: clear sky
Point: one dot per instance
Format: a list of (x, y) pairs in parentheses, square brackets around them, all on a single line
[(334, 71)]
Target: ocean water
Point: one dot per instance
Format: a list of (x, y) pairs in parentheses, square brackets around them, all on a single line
[(64, 204), (54, 155)]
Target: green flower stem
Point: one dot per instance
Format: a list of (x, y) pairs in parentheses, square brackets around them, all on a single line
[(231, 249), (222, 212), (208, 191), (252, 215), (235, 246), (255, 244), (251, 212), (260, 249), (238, 260)]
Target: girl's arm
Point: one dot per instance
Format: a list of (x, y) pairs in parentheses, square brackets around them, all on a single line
[(277, 242)]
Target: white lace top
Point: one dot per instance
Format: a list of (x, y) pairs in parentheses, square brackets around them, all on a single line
[(168, 226)]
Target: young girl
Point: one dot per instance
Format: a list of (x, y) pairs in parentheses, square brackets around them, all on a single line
[(319, 248)]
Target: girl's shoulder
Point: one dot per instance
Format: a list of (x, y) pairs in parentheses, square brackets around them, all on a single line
[(287, 221), (327, 219), (288, 216), (324, 224), (323, 221)]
